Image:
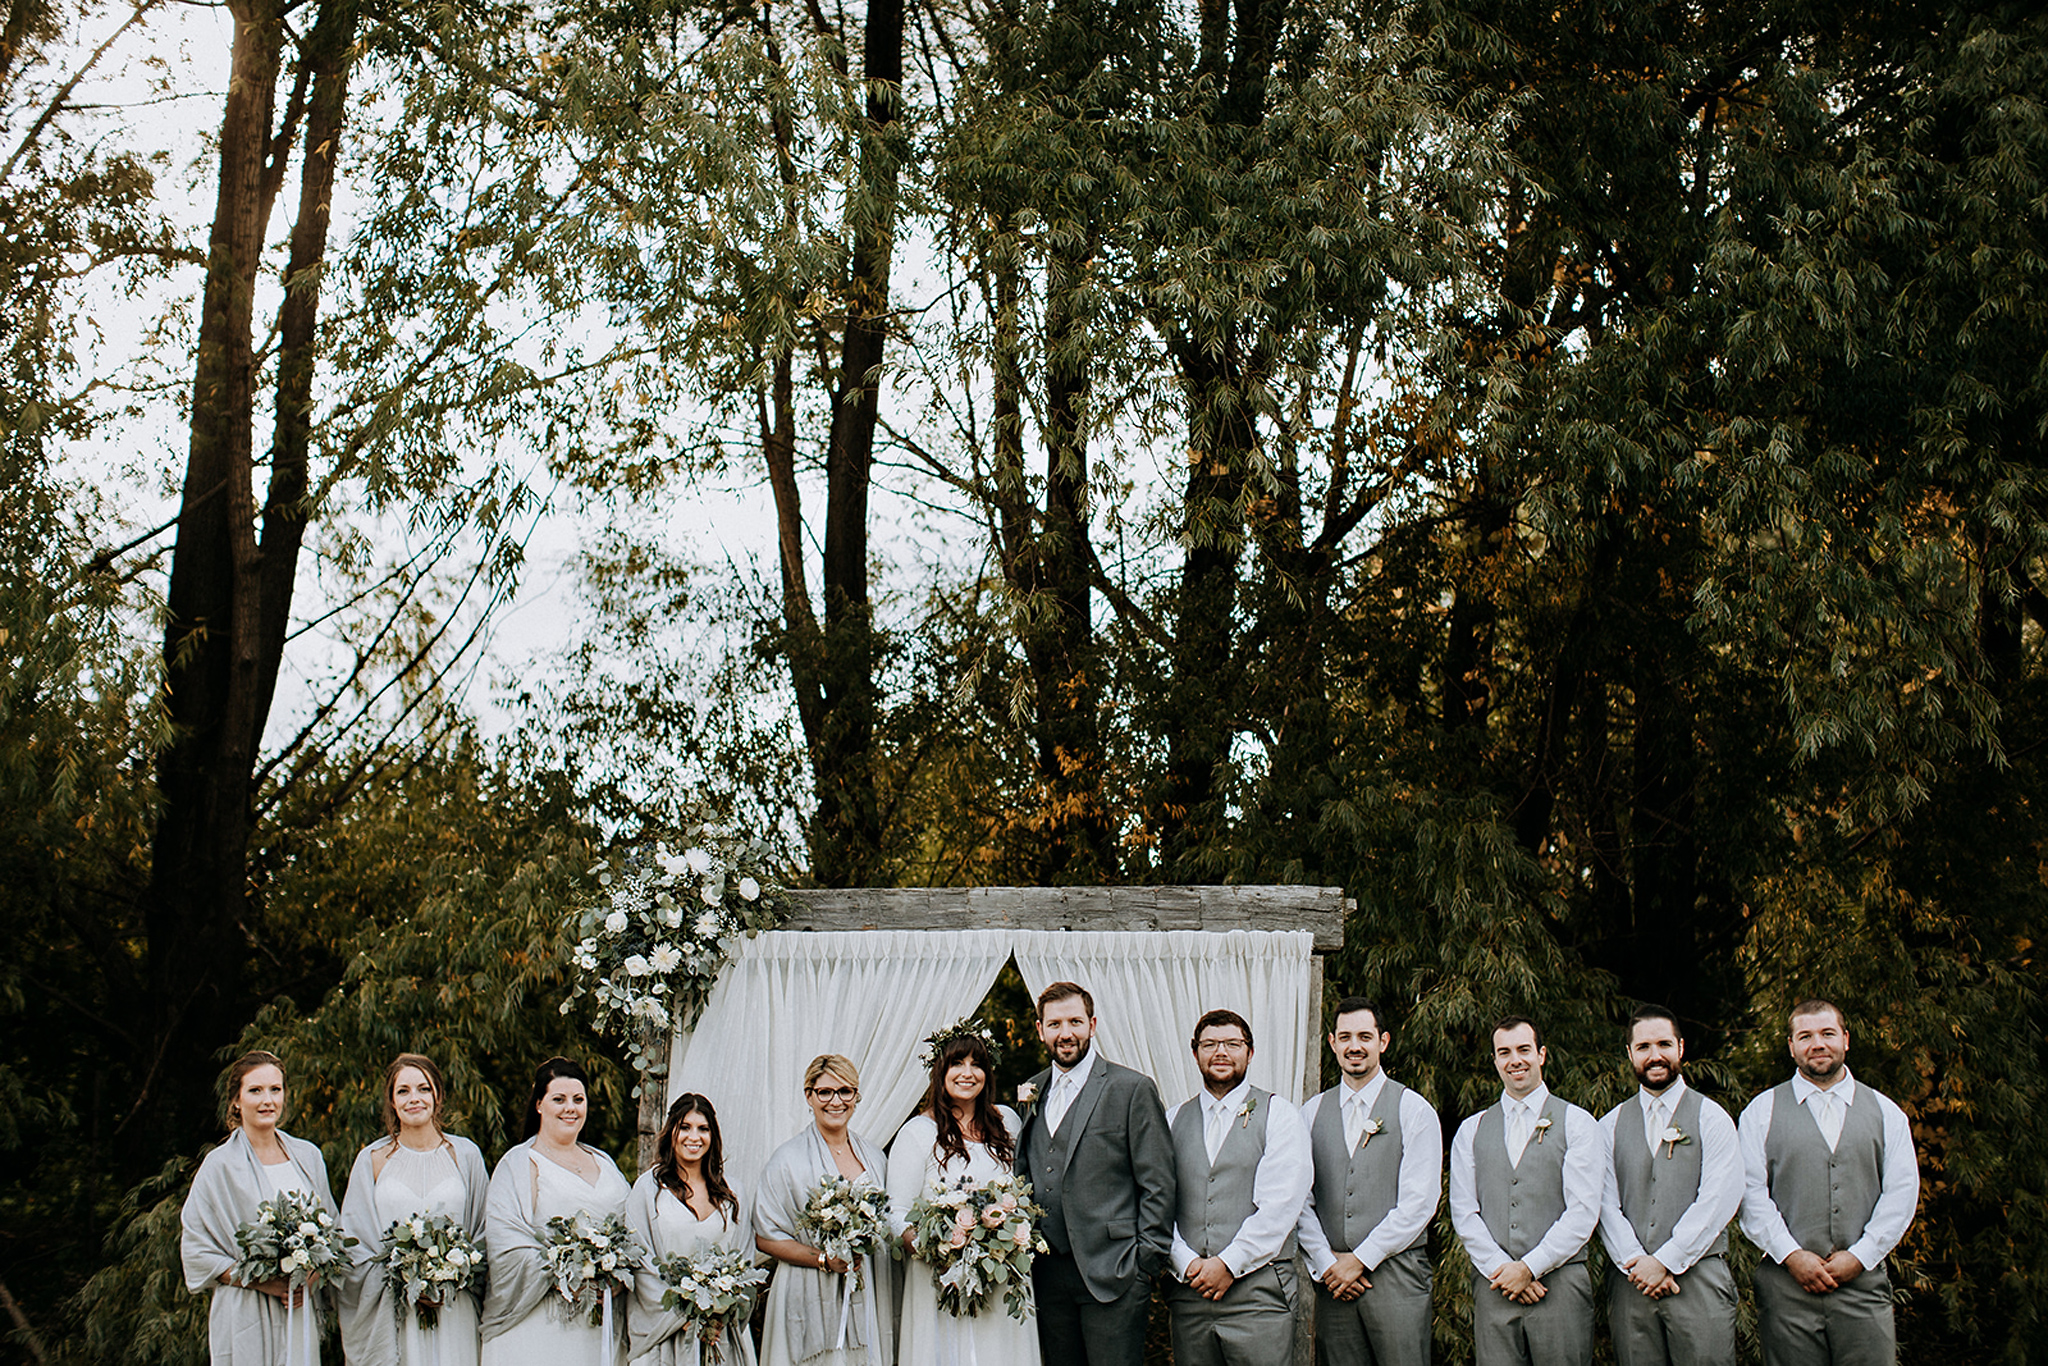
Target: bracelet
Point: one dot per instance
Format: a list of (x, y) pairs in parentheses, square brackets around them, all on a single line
[(822, 1259)]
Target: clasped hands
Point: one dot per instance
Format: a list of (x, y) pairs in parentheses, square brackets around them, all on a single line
[(1650, 1276), (1210, 1278), (1346, 1279), (1518, 1283), (1819, 1275)]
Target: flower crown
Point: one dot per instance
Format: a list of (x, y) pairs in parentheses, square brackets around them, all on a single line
[(935, 1044)]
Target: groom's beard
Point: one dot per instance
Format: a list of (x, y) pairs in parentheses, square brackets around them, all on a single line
[(1080, 1052)]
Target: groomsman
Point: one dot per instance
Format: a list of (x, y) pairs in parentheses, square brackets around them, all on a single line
[(1674, 1183), (1831, 1182), (1378, 1149), (1242, 1166), (1526, 1176), (1096, 1150)]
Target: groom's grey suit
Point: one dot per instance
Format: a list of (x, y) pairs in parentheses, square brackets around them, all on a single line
[(1106, 1181)]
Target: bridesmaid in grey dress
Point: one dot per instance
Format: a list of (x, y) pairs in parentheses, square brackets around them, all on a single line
[(416, 1168), (681, 1206), (268, 1324)]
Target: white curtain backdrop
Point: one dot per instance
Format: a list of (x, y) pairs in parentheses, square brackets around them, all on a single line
[(789, 995), (874, 995), (1150, 987)]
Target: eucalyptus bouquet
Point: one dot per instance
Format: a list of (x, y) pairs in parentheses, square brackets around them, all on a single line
[(650, 941), (979, 1237), (847, 1220), (713, 1291), (589, 1262), (291, 1239), (427, 1258)]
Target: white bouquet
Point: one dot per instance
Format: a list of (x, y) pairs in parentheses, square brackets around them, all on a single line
[(650, 943), (590, 1262), (847, 1220), (291, 1239), (713, 1292), (979, 1237), (427, 1258)]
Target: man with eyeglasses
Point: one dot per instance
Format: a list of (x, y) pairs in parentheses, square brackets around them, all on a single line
[(1242, 1165)]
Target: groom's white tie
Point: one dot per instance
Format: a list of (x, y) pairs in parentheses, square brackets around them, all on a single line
[(1060, 1096)]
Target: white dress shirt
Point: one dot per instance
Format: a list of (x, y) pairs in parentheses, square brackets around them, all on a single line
[(1417, 1190), (1721, 1182), (1898, 1184), (1062, 1087), (1279, 1187), (1585, 1162)]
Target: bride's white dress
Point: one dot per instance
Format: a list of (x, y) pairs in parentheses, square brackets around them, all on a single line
[(429, 1183), (930, 1336)]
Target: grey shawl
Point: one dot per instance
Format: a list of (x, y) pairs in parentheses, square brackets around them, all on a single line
[(654, 1330), (518, 1266), (810, 1300), (244, 1327), (369, 1320)]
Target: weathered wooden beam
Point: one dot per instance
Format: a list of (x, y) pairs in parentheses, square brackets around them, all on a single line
[(1319, 910)]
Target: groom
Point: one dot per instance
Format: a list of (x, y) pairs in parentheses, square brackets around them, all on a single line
[(1100, 1161)]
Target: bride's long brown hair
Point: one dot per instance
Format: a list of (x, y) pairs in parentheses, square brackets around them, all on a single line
[(952, 1142)]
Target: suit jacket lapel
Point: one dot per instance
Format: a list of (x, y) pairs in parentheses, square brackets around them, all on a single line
[(1077, 1115)]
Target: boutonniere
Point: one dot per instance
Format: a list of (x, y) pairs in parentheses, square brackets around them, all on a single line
[(1026, 1094), (1244, 1111), (1372, 1126), (1672, 1137), (1542, 1128)]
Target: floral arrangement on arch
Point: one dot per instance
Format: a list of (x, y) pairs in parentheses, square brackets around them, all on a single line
[(660, 925)]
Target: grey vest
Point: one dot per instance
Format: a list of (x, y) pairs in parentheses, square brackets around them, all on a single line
[(1045, 1157), (1356, 1190), (1656, 1190), (1214, 1200), (1826, 1197), (1519, 1204)]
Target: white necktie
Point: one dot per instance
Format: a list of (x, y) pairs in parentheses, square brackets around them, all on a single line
[(1062, 1096), (1654, 1131), (1354, 1120), (1828, 1115), (1217, 1129), (1517, 1131)]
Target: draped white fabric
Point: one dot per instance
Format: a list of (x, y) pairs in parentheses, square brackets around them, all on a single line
[(1151, 986), (789, 995), (874, 995)]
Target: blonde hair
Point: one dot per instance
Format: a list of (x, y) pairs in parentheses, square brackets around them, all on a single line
[(838, 1064)]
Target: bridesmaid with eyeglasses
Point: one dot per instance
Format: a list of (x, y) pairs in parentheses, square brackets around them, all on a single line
[(812, 1319)]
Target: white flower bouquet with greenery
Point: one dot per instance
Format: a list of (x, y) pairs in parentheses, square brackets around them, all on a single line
[(651, 940), (591, 1261), (428, 1258), (712, 1291), (847, 1220), (979, 1238), (291, 1239)]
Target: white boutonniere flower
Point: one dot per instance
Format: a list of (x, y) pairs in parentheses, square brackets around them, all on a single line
[(1542, 1128), (1672, 1137), (1372, 1126), (1026, 1094), (1244, 1111)]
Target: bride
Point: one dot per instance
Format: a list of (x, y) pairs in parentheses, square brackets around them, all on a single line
[(962, 1132)]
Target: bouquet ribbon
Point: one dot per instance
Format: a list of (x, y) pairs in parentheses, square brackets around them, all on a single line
[(608, 1353), (867, 1314), (300, 1326)]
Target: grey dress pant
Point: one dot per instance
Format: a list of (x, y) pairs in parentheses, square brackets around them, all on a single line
[(1252, 1325), (1695, 1327), (1389, 1325), (1075, 1327), (1557, 1330), (1850, 1326)]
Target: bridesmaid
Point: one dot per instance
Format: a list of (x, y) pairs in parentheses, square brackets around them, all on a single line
[(526, 1323), (681, 1205), (416, 1168), (810, 1318), (266, 1324)]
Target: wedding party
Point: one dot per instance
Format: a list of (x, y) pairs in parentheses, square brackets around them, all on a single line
[(1039, 1232)]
